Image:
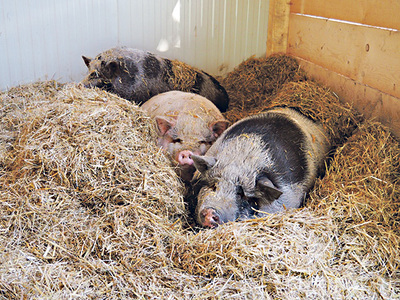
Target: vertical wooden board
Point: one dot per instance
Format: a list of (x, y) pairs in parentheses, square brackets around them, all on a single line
[(218, 37), (174, 16), (26, 66), (8, 42), (147, 25), (213, 51), (49, 29), (187, 32), (224, 26), (202, 35), (136, 24), (196, 18), (370, 12), (259, 32), (159, 31), (4, 71), (366, 54), (262, 31), (64, 50), (236, 24), (123, 10), (251, 27), (212, 43), (229, 32), (185, 37), (278, 23)]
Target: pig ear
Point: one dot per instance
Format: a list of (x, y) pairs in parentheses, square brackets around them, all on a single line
[(267, 189), (218, 127), (87, 60), (163, 124), (203, 163)]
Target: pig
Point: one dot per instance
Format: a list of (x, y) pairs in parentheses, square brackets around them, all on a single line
[(262, 164), (138, 75), (187, 124)]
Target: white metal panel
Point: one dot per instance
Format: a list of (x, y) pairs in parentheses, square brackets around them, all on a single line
[(44, 39)]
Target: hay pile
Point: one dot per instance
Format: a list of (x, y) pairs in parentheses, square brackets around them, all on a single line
[(258, 78), (86, 195), (361, 193), (183, 76), (91, 209)]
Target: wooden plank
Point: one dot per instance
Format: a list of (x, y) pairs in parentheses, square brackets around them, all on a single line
[(278, 23), (367, 100), (365, 54), (371, 12)]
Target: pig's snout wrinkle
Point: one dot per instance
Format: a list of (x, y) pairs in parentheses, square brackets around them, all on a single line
[(210, 218), (185, 157)]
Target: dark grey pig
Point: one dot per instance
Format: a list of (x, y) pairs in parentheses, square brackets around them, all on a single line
[(187, 124), (262, 164), (138, 75)]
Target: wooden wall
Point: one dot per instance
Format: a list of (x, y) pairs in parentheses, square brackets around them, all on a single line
[(353, 47)]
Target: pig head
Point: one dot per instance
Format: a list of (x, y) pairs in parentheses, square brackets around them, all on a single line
[(188, 124)]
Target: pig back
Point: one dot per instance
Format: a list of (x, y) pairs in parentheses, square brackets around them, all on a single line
[(138, 75), (263, 163), (294, 144)]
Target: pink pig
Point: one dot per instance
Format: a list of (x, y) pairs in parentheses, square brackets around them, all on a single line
[(187, 124)]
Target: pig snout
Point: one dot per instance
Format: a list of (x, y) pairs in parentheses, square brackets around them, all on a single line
[(185, 158), (186, 167), (210, 218)]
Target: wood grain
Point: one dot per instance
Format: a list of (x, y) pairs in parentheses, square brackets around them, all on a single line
[(365, 54), (371, 12), (367, 100), (278, 24)]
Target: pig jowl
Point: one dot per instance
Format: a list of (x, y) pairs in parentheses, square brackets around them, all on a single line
[(188, 124), (262, 164), (138, 75)]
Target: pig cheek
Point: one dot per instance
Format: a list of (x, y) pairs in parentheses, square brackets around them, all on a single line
[(174, 149), (224, 206), (206, 198), (165, 143), (203, 149), (89, 82)]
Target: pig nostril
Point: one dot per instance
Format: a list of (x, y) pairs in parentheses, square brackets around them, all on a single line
[(209, 218), (215, 220)]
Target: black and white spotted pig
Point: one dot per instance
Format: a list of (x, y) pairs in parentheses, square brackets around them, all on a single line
[(263, 163), (187, 124), (138, 75)]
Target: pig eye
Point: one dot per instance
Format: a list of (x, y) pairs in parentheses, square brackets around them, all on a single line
[(206, 143), (177, 141), (94, 75)]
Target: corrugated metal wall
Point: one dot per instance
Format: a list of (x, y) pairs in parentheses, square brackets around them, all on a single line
[(44, 39)]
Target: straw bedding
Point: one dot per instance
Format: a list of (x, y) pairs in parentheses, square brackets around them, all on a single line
[(183, 76), (91, 209)]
